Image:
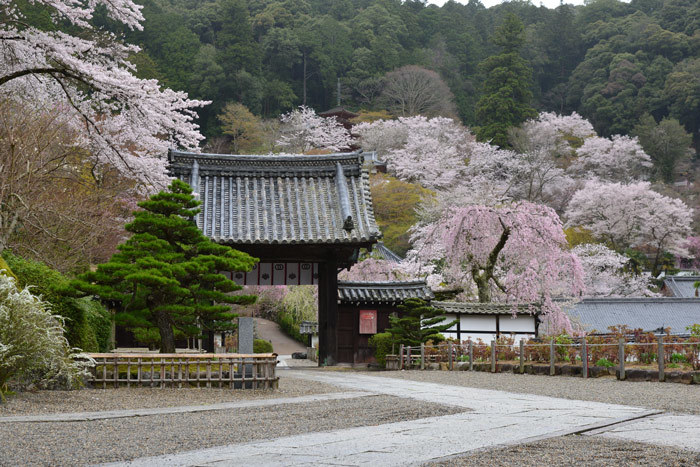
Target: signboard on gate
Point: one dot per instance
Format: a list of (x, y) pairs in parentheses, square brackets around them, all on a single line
[(368, 321)]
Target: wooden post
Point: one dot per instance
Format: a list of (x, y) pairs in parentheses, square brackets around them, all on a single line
[(422, 356), (584, 357), (522, 356), (471, 355), (621, 357), (552, 358), (104, 373), (401, 357), (493, 356), (128, 372), (408, 357), (450, 357), (116, 371), (328, 312), (660, 358)]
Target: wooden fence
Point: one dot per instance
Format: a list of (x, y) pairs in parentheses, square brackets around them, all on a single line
[(254, 371), (582, 353)]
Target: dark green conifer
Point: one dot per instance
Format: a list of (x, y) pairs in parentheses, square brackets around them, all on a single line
[(417, 322), (506, 99), (165, 278)]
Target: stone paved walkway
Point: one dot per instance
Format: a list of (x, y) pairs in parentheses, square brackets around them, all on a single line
[(495, 418)]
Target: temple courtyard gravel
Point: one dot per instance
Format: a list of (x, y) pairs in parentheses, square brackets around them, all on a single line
[(326, 416)]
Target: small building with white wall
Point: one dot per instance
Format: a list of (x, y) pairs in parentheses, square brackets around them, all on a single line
[(489, 321)]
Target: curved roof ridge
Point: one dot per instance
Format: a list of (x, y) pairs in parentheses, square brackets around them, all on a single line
[(377, 283), (641, 300)]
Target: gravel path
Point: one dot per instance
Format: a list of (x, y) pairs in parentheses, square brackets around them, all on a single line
[(671, 397), (81, 443), (576, 450), (87, 400)]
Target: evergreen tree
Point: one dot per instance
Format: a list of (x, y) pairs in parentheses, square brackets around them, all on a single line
[(166, 276), (418, 322), (506, 98)]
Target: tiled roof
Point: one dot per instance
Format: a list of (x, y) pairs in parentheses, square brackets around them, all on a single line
[(648, 314), (290, 199), (681, 286), (473, 308), (382, 292), (380, 251)]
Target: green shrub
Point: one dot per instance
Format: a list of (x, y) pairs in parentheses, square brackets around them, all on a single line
[(604, 362), (381, 343), (262, 346), (5, 269), (289, 327), (678, 358), (87, 322), (33, 349)]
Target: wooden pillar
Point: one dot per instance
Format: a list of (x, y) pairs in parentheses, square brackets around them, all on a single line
[(327, 313), (660, 358), (584, 357)]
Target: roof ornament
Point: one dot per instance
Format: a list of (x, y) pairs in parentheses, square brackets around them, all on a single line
[(344, 197)]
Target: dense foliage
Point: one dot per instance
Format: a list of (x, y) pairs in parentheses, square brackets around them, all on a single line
[(417, 323), (609, 60), (87, 322), (300, 303), (165, 278)]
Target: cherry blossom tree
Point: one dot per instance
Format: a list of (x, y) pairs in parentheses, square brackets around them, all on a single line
[(301, 130), (514, 253), (126, 122), (605, 274), (693, 246), (551, 132), (497, 175), (372, 269), (632, 216), (618, 159), (432, 152)]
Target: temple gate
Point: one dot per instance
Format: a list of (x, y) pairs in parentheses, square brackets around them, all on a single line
[(304, 217)]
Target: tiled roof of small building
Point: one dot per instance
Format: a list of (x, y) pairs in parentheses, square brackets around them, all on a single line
[(382, 292), (287, 199), (474, 308), (648, 314), (381, 251), (681, 286)]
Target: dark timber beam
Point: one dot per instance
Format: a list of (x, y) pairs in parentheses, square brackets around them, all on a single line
[(328, 313)]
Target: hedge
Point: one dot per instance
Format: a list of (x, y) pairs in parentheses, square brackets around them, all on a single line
[(87, 323), (381, 343), (262, 346)]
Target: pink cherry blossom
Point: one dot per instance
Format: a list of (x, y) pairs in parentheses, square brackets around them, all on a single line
[(432, 152), (605, 276), (126, 122), (302, 130), (632, 215), (514, 253)]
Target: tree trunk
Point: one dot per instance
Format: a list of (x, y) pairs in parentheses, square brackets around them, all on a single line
[(303, 100), (482, 286), (167, 336)]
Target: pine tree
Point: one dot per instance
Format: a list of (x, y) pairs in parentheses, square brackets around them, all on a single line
[(418, 322), (165, 278), (506, 98)]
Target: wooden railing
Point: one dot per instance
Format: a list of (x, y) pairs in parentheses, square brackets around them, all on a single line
[(247, 371)]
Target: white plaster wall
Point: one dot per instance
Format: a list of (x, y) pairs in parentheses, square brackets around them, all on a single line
[(478, 323), (517, 324)]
